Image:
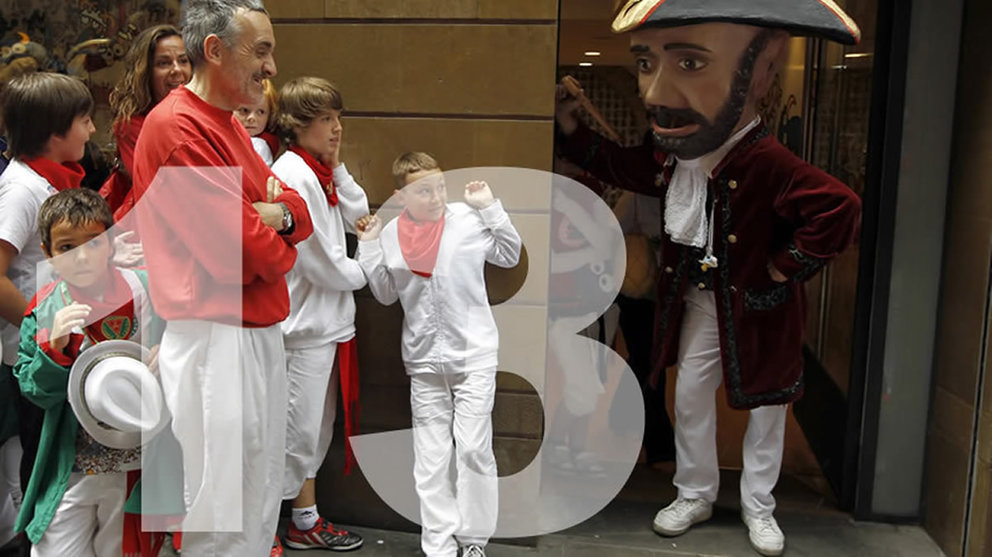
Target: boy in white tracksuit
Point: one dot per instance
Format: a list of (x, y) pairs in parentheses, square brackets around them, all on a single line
[(431, 258), (321, 324)]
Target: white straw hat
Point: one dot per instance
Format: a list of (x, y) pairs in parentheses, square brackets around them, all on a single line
[(114, 395)]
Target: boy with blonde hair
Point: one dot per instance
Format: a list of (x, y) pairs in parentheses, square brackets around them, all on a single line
[(321, 322), (431, 258)]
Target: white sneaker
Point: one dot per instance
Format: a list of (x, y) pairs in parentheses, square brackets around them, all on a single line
[(677, 518), (766, 537), (473, 551)]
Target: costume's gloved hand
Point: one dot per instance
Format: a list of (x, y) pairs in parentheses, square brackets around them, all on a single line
[(568, 99)]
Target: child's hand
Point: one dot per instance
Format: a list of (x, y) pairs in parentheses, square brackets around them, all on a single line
[(66, 319), (368, 228), (478, 195), (127, 254), (332, 160)]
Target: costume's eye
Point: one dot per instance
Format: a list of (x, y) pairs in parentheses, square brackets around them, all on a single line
[(691, 64), (643, 65)]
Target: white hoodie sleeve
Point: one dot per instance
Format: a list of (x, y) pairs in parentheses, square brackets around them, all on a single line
[(373, 262), (504, 249), (352, 201)]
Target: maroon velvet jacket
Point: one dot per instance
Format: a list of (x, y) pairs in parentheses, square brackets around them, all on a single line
[(768, 204)]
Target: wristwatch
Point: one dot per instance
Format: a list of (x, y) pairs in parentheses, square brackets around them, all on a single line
[(287, 220)]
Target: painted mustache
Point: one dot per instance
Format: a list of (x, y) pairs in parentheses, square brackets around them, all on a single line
[(676, 117)]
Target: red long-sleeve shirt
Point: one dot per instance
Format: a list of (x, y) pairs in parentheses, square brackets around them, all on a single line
[(193, 216)]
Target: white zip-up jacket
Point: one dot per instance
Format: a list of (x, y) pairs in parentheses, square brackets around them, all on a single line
[(321, 303), (448, 326)]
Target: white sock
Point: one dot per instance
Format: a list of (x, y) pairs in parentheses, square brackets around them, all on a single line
[(305, 518)]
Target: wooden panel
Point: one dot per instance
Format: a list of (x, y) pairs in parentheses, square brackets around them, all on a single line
[(946, 491), (518, 415), (442, 9), (518, 9), (378, 337), (953, 418), (435, 69), (513, 455), (959, 333), (372, 144), (455, 9), (979, 535), (296, 9)]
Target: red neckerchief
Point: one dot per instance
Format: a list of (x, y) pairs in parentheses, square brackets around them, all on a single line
[(62, 176), (114, 317), (419, 242), (324, 174), (271, 140)]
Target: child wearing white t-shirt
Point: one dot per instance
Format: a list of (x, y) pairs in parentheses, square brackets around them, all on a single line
[(47, 119)]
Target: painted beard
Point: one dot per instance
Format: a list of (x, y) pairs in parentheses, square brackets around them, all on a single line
[(710, 135)]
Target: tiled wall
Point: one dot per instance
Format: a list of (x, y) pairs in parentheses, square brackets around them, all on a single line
[(470, 81), (964, 315)]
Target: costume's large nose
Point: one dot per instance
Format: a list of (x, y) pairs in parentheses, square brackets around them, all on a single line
[(658, 89)]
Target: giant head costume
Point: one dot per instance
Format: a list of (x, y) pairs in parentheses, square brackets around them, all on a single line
[(702, 65)]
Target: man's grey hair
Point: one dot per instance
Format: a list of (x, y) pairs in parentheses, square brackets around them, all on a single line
[(202, 18)]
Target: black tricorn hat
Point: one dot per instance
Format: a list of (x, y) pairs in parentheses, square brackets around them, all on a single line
[(818, 18)]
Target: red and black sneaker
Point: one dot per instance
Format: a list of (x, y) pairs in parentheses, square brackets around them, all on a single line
[(276, 548), (322, 536)]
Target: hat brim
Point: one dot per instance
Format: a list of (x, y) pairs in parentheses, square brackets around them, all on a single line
[(87, 360), (816, 18)]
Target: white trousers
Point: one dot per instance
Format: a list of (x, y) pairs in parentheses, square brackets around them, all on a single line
[(700, 373), (10, 487), (452, 416), (226, 389), (89, 521), (313, 404)]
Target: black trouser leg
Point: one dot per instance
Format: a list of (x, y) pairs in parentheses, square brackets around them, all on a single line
[(637, 324)]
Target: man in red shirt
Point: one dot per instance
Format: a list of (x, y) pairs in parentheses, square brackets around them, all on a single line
[(219, 232)]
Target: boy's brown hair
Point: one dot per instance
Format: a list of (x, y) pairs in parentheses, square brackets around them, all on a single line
[(408, 163), (303, 99), (78, 206), (37, 106)]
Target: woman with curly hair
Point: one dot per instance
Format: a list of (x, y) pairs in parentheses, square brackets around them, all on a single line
[(156, 64)]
